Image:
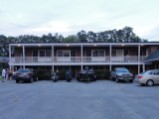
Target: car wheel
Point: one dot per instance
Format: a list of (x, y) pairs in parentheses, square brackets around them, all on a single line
[(31, 80), (150, 83), (17, 81)]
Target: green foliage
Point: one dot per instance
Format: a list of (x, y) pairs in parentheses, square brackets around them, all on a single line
[(1, 67), (82, 35), (43, 74), (102, 74), (61, 74), (122, 35), (71, 39)]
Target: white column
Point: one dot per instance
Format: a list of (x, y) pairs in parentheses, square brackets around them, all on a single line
[(110, 67), (10, 56), (53, 68), (23, 56), (138, 69), (110, 56), (138, 58), (81, 57), (139, 53), (52, 57), (143, 67)]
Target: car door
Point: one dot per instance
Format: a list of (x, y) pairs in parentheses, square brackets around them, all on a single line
[(155, 74)]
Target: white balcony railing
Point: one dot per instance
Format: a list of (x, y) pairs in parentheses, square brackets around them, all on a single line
[(106, 59)]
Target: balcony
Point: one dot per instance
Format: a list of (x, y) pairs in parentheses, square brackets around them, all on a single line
[(75, 60)]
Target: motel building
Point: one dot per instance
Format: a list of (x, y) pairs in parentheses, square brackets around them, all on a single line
[(137, 57)]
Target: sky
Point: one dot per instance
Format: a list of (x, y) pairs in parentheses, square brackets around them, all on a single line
[(67, 17)]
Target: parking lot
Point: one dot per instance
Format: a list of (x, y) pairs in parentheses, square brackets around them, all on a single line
[(102, 99)]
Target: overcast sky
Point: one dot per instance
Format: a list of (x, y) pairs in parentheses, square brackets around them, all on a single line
[(67, 17)]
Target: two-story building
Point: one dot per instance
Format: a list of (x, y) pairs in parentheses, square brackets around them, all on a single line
[(76, 56)]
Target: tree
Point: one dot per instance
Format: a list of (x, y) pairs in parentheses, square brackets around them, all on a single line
[(92, 37), (82, 35), (71, 39)]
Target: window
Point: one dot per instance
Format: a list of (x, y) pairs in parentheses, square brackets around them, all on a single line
[(155, 72), (117, 53), (98, 53), (44, 53), (48, 53), (63, 53)]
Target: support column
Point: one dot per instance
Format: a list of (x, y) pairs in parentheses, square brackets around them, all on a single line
[(110, 57), (139, 53), (110, 67), (10, 56), (52, 58), (143, 67), (23, 57), (138, 69), (138, 59), (81, 57), (53, 68)]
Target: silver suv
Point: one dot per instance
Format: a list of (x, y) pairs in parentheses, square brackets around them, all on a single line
[(121, 73)]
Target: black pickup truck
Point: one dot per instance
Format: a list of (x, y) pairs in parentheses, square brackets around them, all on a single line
[(86, 75)]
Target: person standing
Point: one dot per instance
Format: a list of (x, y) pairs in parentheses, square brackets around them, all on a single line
[(7, 73), (3, 74), (14, 73)]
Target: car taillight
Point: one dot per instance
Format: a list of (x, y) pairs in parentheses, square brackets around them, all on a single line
[(139, 77)]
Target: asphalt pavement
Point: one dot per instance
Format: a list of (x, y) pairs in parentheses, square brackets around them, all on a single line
[(102, 99)]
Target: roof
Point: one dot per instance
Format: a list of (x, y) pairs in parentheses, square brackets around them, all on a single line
[(85, 44), (153, 57)]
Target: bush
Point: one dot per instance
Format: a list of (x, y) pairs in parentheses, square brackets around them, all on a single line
[(61, 74), (102, 74), (43, 74)]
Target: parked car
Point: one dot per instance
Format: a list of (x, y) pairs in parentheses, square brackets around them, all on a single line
[(24, 75), (86, 75), (121, 74), (149, 77)]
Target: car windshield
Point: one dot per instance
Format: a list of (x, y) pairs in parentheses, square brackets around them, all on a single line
[(121, 70), (23, 70)]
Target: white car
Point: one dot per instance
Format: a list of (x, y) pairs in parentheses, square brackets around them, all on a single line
[(149, 77)]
